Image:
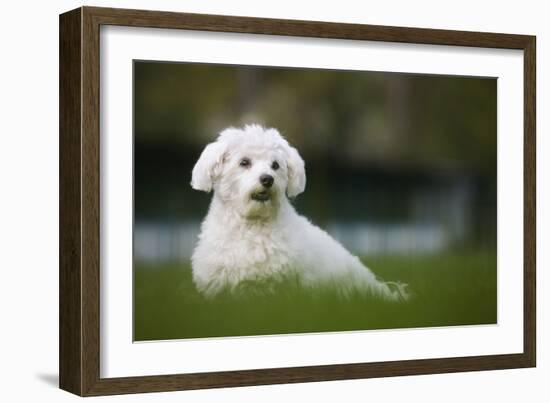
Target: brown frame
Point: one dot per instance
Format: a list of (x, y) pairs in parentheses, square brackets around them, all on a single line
[(79, 201)]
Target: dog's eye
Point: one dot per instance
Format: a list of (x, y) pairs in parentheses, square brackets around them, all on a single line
[(245, 162), (275, 165)]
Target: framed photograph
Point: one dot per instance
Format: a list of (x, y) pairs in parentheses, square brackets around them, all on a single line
[(249, 201)]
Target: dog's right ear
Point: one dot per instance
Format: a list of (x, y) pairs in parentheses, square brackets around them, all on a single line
[(208, 167), (296, 173)]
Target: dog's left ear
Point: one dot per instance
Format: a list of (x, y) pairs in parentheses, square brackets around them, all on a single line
[(296, 173), (208, 167)]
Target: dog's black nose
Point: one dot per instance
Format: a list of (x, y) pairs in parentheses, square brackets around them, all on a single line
[(266, 180)]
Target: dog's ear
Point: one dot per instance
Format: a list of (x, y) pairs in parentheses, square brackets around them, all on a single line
[(208, 167), (296, 173)]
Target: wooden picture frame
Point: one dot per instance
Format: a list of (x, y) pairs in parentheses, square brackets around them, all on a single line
[(79, 278)]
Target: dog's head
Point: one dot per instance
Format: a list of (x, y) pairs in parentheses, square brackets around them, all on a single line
[(250, 169)]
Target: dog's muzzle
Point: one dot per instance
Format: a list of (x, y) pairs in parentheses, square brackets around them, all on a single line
[(261, 195), (264, 194), (266, 180)]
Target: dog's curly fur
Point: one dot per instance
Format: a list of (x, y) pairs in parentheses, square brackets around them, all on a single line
[(253, 233)]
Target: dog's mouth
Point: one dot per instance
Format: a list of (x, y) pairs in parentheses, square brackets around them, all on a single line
[(261, 195)]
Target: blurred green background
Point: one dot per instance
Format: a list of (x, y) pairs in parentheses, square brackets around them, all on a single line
[(401, 169)]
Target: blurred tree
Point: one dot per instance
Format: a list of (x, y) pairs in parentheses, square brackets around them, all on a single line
[(386, 118)]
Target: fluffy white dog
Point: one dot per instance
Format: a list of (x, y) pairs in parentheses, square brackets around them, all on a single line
[(252, 233)]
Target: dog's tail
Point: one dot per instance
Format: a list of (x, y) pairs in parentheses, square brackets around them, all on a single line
[(399, 291), (365, 280)]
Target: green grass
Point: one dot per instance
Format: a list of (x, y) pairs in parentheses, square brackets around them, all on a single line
[(449, 289)]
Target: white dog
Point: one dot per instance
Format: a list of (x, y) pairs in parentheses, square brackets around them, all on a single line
[(252, 232)]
